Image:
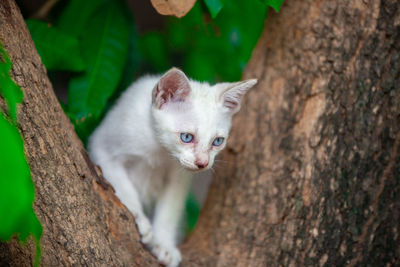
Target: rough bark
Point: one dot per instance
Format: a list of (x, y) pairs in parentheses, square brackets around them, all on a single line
[(312, 175), (84, 224)]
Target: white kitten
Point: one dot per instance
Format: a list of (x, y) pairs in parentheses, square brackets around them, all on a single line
[(159, 132)]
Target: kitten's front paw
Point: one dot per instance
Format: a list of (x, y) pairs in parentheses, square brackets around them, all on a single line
[(145, 230), (169, 256)]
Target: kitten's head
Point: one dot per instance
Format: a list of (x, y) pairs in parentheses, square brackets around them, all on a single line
[(192, 120)]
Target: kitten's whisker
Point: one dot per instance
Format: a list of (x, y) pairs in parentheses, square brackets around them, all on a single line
[(212, 169), (222, 161), (218, 165)]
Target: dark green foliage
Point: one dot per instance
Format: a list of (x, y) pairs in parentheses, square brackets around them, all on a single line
[(220, 48), (154, 51), (214, 6), (105, 40), (192, 211), (131, 69), (207, 49), (58, 50), (74, 17), (16, 187), (93, 36)]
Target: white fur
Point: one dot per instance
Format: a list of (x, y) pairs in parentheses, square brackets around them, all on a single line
[(139, 149)]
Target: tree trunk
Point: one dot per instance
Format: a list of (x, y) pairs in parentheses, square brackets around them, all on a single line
[(84, 224), (313, 163)]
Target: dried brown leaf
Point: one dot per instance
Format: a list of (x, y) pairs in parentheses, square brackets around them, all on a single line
[(177, 8)]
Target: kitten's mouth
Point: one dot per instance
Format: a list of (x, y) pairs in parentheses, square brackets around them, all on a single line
[(192, 167), (195, 169)]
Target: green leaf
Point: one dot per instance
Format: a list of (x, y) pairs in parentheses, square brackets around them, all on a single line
[(75, 15), (192, 208), (218, 49), (275, 4), (105, 42), (154, 49), (16, 189), (214, 6), (58, 50), (8, 89), (16, 186), (132, 62)]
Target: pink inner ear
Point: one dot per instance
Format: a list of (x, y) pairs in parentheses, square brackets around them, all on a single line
[(173, 86), (234, 92), (232, 99), (230, 103)]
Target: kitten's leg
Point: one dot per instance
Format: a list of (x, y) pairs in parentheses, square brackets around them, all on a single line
[(116, 174), (167, 216)]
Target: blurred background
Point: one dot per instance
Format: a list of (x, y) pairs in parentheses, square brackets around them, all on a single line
[(94, 49)]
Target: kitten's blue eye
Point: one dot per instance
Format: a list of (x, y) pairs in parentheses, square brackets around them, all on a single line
[(187, 137), (218, 141)]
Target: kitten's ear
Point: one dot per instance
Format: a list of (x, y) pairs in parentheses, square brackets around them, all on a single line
[(232, 94), (172, 87)]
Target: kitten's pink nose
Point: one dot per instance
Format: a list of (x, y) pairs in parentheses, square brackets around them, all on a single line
[(201, 164)]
